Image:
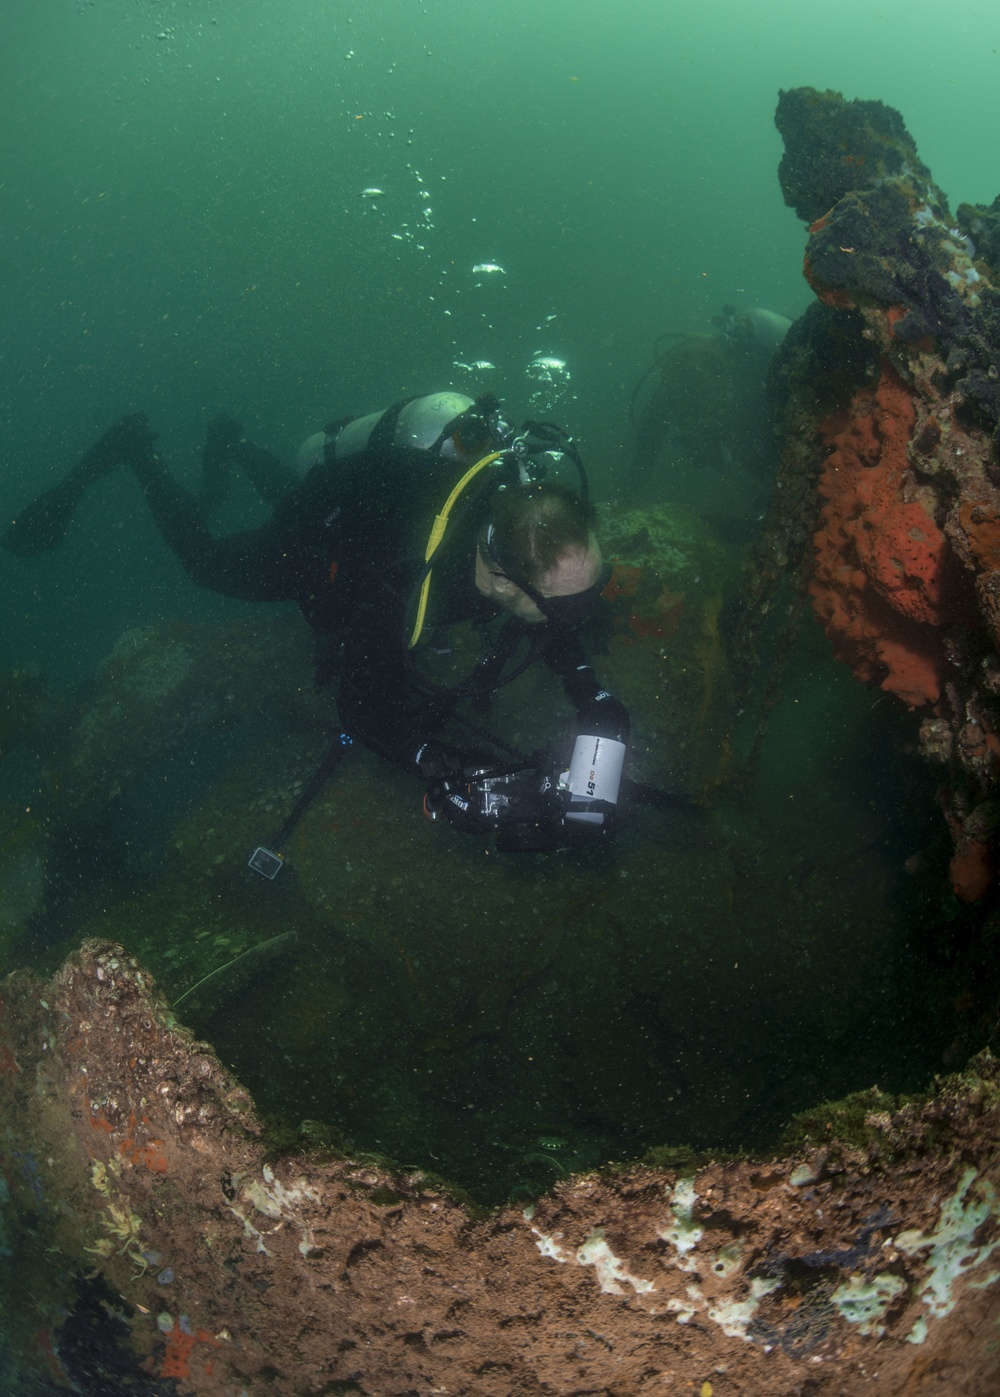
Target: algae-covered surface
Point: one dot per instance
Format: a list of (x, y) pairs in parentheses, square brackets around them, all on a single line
[(190, 1240), (741, 950), (413, 1030)]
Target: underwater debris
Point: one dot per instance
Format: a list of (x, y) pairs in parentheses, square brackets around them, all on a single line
[(704, 405), (274, 945)]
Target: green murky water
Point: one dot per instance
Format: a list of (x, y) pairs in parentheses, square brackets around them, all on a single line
[(185, 230)]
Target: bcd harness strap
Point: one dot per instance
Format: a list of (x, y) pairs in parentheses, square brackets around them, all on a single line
[(437, 534)]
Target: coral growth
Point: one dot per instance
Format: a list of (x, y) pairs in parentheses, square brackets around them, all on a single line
[(906, 549), (879, 579)]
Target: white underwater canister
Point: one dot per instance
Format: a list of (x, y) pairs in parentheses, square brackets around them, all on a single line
[(595, 773)]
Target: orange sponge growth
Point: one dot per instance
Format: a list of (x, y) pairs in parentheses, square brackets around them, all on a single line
[(879, 581)]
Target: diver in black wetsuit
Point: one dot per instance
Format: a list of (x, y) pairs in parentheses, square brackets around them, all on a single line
[(422, 516)]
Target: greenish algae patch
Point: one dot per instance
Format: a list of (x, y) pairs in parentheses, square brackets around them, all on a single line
[(854, 1120), (951, 1250), (891, 1127), (864, 1300)]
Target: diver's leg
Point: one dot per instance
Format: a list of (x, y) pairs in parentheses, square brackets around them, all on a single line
[(267, 473), (42, 524), (226, 446), (258, 565), (222, 435)]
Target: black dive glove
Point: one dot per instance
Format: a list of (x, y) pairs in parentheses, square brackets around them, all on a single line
[(604, 716)]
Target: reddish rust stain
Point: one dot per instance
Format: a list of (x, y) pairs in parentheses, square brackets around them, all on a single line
[(624, 582), (879, 586), (98, 1120), (150, 1155), (43, 1345), (177, 1358)]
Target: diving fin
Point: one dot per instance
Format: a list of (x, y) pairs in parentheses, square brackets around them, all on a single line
[(42, 525)]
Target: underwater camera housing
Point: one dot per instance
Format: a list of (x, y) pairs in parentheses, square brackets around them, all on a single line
[(534, 809)]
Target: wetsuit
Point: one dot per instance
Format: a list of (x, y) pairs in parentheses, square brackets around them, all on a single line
[(346, 545)]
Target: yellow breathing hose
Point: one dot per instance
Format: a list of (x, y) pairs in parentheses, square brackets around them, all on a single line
[(437, 534)]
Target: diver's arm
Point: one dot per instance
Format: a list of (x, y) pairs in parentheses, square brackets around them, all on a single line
[(399, 732), (598, 711), (378, 702), (398, 728)]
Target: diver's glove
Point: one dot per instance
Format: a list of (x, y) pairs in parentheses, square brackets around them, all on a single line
[(592, 782), (604, 716)]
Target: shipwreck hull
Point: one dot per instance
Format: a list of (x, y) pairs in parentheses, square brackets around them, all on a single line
[(886, 502)]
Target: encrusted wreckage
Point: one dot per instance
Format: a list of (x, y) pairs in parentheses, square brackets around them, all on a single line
[(892, 409), (138, 1190), (169, 1244)]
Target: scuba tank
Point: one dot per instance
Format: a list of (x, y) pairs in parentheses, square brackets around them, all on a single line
[(423, 424), (432, 422)]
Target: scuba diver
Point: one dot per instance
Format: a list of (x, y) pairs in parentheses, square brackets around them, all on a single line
[(703, 419), (429, 513)]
